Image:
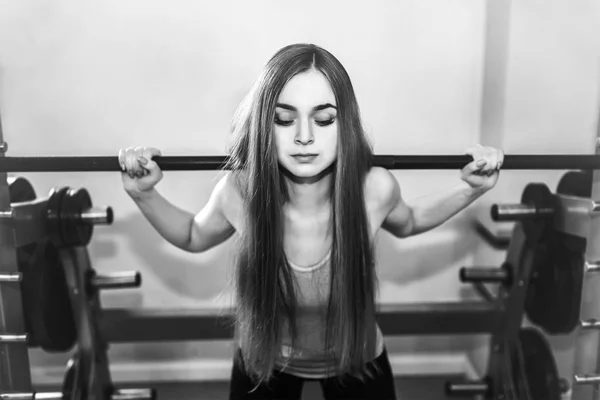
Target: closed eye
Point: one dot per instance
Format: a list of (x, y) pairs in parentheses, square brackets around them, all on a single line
[(283, 122), (325, 122)]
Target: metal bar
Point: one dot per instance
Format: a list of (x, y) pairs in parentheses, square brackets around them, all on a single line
[(98, 215), (91, 346), (117, 280), (484, 292), (497, 238), (592, 266), (32, 396), (467, 389), (203, 163), (152, 325), (133, 394), (518, 212), (13, 338), (586, 379), (589, 324), (586, 366), (11, 277), (15, 372), (484, 274)]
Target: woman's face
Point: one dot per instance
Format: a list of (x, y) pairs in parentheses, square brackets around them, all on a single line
[(305, 126)]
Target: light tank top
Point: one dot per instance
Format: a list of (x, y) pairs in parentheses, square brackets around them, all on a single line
[(310, 359)]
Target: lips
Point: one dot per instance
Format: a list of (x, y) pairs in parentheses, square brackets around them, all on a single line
[(304, 157)]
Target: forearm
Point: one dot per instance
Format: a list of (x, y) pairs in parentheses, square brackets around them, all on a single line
[(433, 210), (171, 222)]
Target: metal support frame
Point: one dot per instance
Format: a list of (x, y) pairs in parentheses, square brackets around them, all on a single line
[(586, 377), (157, 325), (15, 373)]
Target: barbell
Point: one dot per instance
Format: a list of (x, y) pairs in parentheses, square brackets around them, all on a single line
[(71, 206), (205, 163)]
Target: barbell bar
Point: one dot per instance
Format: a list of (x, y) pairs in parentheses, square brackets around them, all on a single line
[(204, 163)]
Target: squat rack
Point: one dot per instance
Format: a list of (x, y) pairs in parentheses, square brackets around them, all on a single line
[(121, 325), (15, 372)]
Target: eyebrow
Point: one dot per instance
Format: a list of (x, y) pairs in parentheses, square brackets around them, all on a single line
[(316, 108)]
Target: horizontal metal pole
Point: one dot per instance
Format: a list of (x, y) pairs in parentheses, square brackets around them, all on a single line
[(117, 280), (518, 212), (32, 396), (484, 292), (154, 325), (198, 163), (133, 394), (484, 274), (7, 277), (13, 338)]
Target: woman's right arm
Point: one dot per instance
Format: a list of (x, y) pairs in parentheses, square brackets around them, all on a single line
[(189, 232)]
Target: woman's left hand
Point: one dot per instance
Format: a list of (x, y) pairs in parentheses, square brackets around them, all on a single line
[(482, 173)]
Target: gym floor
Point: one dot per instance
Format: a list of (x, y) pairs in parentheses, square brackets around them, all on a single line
[(413, 388)]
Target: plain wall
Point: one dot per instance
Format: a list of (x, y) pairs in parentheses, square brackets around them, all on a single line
[(88, 78)]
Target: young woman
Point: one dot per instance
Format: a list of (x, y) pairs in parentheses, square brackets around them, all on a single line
[(306, 203)]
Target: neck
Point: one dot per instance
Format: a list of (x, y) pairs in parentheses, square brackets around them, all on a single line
[(309, 194)]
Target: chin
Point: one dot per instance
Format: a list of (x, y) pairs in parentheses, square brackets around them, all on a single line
[(307, 171), (304, 171)]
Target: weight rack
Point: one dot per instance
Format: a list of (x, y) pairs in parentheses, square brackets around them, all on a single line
[(478, 317), (586, 378), (15, 372)]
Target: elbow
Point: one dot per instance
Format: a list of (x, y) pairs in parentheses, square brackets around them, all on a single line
[(409, 227), (194, 248), (194, 245), (191, 243), (200, 243), (187, 247), (405, 232)]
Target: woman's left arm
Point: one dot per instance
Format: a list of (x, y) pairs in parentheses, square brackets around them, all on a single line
[(425, 213)]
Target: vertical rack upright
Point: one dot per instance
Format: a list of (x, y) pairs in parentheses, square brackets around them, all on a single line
[(15, 372), (586, 378)]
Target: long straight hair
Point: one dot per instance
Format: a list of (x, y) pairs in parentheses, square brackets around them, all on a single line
[(264, 281)]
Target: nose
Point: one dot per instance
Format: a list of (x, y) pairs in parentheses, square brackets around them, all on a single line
[(304, 135)]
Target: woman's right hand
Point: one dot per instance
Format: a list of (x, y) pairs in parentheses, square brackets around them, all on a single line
[(139, 173)]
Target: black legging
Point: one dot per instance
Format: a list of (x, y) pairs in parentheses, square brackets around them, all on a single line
[(284, 386)]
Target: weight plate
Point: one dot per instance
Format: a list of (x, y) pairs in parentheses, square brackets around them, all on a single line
[(53, 220), (576, 183), (75, 231), (554, 293), (534, 297), (46, 303), (20, 190), (519, 374), (539, 196), (539, 366)]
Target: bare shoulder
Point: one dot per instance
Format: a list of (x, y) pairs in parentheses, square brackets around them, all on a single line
[(228, 196), (381, 188), (229, 186)]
